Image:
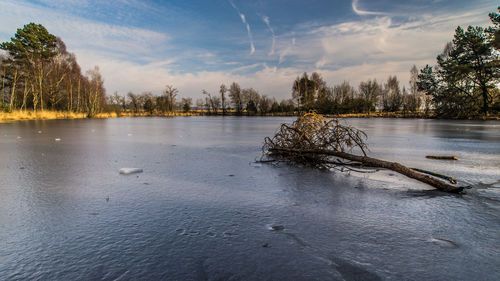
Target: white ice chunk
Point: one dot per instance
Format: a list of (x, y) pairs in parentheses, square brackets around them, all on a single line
[(127, 171)]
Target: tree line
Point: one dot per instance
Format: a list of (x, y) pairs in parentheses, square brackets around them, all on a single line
[(231, 100), (37, 73), (311, 93)]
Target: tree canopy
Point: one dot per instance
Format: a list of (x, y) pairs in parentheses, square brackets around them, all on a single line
[(32, 44), (463, 83), (39, 72)]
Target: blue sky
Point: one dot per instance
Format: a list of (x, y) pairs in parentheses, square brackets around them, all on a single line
[(194, 45)]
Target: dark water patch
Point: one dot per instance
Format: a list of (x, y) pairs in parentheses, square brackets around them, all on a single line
[(277, 227)]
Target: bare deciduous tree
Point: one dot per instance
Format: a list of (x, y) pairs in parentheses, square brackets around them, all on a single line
[(236, 97)]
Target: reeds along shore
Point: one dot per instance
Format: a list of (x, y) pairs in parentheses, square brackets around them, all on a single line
[(18, 115)]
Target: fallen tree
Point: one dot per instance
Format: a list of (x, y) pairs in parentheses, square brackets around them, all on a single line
[(315, 141)]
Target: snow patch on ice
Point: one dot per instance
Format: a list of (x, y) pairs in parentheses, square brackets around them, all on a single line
[(127, 171)]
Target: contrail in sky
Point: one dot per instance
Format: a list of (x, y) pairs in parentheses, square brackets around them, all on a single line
[(243, 19), (361, 12), (267, 22)]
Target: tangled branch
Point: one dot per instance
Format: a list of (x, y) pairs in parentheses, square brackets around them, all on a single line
[(312, 132)]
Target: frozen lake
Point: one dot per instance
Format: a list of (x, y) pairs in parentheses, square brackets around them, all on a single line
[(201, 209)]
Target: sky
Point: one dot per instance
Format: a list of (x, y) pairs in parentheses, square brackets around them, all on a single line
[(142, 46)]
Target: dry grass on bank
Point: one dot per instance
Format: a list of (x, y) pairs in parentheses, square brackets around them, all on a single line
[(49, 114), (18, 115), (46, 115)]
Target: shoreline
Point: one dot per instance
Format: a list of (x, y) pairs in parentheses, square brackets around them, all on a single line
[(18, 115)]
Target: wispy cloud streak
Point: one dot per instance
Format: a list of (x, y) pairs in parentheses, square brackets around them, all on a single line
[(269, 27), (249, 31), (361, 12)]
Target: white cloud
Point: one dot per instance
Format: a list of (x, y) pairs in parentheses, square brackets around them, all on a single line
[(247, 67), (124, 76), (79, 32), (380, 41), (286, 49)]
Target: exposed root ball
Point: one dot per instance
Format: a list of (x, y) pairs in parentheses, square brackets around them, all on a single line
[(312, 131)]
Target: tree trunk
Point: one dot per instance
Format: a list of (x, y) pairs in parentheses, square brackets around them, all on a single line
[(223, 104), (35, 96), (3, 88), (13, 91), (373, 162), (25, 93), (40, 87), (485, 99), (70, 100), (78, 97)]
